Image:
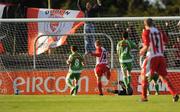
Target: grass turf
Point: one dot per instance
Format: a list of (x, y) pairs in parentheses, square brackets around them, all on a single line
[(86, 103)]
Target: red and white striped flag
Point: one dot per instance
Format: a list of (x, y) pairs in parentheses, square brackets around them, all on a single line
[(50, 28)]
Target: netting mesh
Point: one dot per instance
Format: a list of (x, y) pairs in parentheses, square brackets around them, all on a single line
[(15, 36)]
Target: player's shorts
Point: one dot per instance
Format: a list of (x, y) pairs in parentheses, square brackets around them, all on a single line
[(101, 69), (126, 66), (154, 64), (73, 76)]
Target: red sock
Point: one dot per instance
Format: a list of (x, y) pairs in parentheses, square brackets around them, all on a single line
[(144, 88), (100, 87), (108, 75), (170, 87)]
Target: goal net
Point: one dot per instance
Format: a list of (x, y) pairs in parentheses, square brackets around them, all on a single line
[(34, 52)]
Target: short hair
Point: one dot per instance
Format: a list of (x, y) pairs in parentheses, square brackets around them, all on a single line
[(74, 48), (125, 34), (98, 42), (149, 22)]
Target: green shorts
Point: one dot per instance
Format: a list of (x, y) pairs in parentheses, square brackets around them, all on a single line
[(73, 76), (126, 66)]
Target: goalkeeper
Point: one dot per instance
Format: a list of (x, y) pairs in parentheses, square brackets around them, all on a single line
[(124, 54), (76, 63)]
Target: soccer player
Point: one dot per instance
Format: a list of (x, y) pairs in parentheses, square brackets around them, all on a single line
[(76, 63), (153, 43), (153, 79), (120, 92), (102, 67), (124, 54)]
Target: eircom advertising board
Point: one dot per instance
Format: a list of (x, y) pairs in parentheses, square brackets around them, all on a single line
[(53, 82)]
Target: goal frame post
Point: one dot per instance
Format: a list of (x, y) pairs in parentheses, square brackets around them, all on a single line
[(78, 34)]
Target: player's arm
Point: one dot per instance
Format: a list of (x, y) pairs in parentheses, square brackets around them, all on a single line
[(165, 37), (145, 38), (83, 61), (79, 5), (99, 2), (118, 49), (69, 60), (97, 53)]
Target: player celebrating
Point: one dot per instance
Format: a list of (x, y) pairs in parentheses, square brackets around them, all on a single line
[(102, 67), (124, 53), (76, 63), (153, 44)]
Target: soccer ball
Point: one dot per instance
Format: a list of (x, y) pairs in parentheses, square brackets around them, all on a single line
[(104, 80)]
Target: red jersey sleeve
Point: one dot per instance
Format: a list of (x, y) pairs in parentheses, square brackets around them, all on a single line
[(165, 37), (97, 53), (145, 37)]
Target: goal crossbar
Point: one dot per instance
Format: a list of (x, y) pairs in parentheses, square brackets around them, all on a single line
[(88, 19)]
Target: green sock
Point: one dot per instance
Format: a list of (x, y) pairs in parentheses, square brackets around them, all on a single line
[(76, 89), (157, 88), (125, 81), (129, 81), (69, 83)]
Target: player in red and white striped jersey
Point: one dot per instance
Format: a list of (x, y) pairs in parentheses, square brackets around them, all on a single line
[(153, 43), (102, 67)]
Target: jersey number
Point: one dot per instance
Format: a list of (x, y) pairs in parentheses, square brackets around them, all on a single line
[(76, 62)]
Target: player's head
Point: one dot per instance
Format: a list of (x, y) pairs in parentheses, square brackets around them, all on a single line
[(148, 22), (125, 35), (73, 48), (97, 43), (88, 5)]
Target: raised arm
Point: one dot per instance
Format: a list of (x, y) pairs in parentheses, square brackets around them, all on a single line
[(79, 5), (99, 2)]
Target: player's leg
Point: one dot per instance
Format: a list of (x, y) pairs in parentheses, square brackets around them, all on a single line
[(144, 77), (77, 77), (129, 68), (124, 72), (108, 72), (69, 79), (163, 75), (144, 87), (98, 74), (155, 81)]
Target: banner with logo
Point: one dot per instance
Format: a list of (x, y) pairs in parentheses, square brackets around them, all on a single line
[(53, 82), (50, 28)]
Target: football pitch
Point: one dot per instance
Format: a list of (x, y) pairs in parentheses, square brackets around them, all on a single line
[(86, 103)]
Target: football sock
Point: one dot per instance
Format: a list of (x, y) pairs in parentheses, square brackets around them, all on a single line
[(170, 87), (100, 87), (76, 89), (125, 81), (129, 81), (157, 87), (144, 88)]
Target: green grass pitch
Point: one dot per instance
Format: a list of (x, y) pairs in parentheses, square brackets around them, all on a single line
[(86, 103)]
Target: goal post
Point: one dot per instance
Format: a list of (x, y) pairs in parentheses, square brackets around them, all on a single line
[(79, 34), (24, 73)]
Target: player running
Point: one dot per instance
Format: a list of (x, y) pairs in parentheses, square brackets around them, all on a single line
[(153, 44), (76, 63), (102, 67), (124, 54)]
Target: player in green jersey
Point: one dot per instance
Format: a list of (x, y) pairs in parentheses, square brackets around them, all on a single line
[(124, 54), (76, 63)]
